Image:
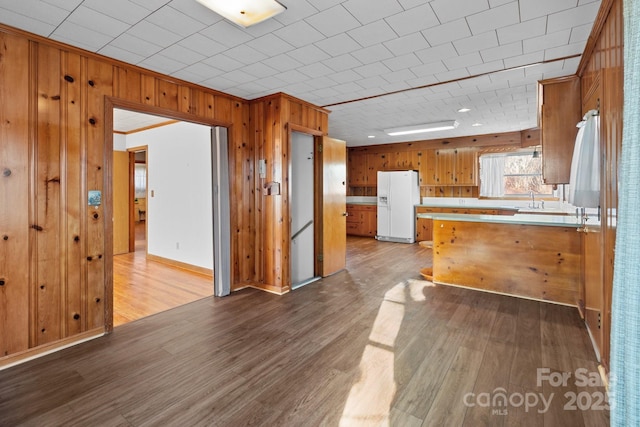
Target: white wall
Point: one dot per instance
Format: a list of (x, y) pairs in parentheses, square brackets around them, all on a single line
[(119, 142), (179, 214)]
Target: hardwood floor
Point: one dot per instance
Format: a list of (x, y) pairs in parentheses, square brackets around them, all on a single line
[(142, 288), (372, 345)]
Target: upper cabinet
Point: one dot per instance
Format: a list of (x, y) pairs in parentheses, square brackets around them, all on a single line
[(453, 167), (558, 114)]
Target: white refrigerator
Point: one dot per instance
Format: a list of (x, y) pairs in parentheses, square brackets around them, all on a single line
[(398, 193)]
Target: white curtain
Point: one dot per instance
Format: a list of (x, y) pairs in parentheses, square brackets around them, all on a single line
[(492, 176), (584, 189)]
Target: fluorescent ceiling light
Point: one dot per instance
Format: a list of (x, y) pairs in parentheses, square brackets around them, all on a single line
[(476, 124), (464, 110), (244, 12), (427, 127)]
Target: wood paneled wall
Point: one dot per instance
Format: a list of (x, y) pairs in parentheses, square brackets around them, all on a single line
[(274, 117), (56, 145), (601, 72)]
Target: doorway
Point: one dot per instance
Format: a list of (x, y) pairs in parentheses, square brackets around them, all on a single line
[(302, 210), (170, 209)]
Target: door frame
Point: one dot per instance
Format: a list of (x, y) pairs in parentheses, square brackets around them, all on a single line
[(110, 103), (132, 193), (317, 200)]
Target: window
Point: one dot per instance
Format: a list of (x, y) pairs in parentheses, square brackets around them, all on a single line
[(512, 175), (140, 180)]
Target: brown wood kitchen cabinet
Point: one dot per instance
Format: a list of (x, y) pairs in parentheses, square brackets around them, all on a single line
[(452, 167), (362, 220), (558, 113)]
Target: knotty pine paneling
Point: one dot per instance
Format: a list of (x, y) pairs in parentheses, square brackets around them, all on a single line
[(14, 194), (73, 188), (46, 231), (604, 67)]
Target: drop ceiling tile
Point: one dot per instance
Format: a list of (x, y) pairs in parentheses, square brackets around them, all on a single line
[(221, 83), (27, 23), (226, 34), (525, 30), (437, 53), (135, 45), (324, 4), (308, 54), (530, 9), (282, 62), (342, 62), (399, 76), (366, 13), (196, 11), (370, 82), (35, 9), (182, 54), (299, 34), (450, 10), (502, 52), (370, 70), (402, 62), (238, 76), (413, 20), (463, 61), (90, 40), (120, 54), (150, 4), (520, 60), (270, 45), (580, 33), (315, 70), (498, 17), (175, 21), (296, 11), (372, 54), (546, 42), (374, 33), (161, 64), (202, 70), (122, 10), (476, 43), (223, 62), (99, 21), (452, 75), (202, 44), (152, 33), (573, 17), (562, 51), (333, 21), (448, 32), (407, 44), (67, 5), (293, 76), (338, 45), (245, 54), (487, 67), (496, 3)]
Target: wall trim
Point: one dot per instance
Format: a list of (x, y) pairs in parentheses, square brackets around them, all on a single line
[(183, 265)]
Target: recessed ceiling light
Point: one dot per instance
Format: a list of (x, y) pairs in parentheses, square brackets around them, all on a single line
[(427, 127), (476, 124), (371, 136), (245, 12), (464, 110)]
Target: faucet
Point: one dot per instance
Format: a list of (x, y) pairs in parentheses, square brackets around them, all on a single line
[(532, 205)]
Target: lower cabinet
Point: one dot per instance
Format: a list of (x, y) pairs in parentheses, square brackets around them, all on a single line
[(424, 226), (362, 220)]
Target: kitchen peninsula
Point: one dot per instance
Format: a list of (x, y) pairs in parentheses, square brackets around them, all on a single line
[(529, 256)]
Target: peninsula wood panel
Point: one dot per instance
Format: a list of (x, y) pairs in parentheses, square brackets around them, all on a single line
[(603, 66), (514, 259)]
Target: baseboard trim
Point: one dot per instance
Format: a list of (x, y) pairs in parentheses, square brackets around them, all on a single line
[(45, 349), (183, 265)]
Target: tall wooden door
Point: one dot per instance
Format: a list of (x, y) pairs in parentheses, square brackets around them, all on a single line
[(334, 205), (120, 202)]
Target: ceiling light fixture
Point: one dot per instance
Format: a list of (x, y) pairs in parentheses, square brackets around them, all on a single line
[(427, 127), (464, 110), (476, 124), (245, 12)]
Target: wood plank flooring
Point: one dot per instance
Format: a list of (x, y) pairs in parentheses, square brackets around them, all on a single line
[(142, 288), (372, 345)]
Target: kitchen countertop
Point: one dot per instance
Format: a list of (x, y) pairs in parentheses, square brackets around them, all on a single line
[(525, 219)]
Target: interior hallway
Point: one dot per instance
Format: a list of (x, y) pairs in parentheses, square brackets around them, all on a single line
[(142, 288)]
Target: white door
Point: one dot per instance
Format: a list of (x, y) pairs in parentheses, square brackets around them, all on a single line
[(302, 209)]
